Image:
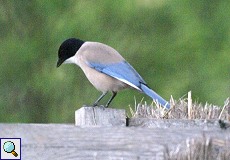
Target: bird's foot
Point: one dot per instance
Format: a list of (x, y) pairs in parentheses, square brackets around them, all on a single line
[(94, 105), (100, 106)]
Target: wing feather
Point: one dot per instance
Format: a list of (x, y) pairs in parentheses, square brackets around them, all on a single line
[(122, 71)]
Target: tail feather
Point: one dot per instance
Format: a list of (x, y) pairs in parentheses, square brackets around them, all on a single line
[(154, 96)]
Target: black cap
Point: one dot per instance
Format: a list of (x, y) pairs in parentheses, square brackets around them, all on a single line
[(68, 49)]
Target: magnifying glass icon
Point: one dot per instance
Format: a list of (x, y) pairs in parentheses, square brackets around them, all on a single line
[(9, 147)]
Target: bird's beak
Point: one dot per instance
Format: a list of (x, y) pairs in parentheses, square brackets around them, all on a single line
[(59, 62)]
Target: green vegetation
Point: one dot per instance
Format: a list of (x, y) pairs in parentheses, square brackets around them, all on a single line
[(176, 46)]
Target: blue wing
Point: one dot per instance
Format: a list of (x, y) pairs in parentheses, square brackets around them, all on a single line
[(122, 71)]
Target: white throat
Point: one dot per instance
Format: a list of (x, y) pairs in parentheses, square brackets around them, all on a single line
[(72, 59)]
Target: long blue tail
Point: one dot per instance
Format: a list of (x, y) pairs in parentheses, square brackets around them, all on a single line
[(155, 96)]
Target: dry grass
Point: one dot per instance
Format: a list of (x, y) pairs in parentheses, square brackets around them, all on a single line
[(182, 109), (204, 148), (201, 149)]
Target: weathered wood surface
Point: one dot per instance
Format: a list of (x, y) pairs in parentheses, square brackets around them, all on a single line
[(66, 141), (178, 123), (100, 116)]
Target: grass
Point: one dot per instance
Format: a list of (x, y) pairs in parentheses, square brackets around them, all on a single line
[(201, 149), (204, 148), (182, 109)]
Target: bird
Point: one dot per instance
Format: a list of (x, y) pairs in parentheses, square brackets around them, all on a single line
[(105, 68)]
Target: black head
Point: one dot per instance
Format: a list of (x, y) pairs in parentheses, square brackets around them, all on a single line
[(68, 49)]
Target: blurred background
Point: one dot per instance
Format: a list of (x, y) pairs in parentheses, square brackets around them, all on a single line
[(175, 45)]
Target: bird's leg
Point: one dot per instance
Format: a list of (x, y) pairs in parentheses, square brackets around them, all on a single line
[(101, 96), (110, 100)]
